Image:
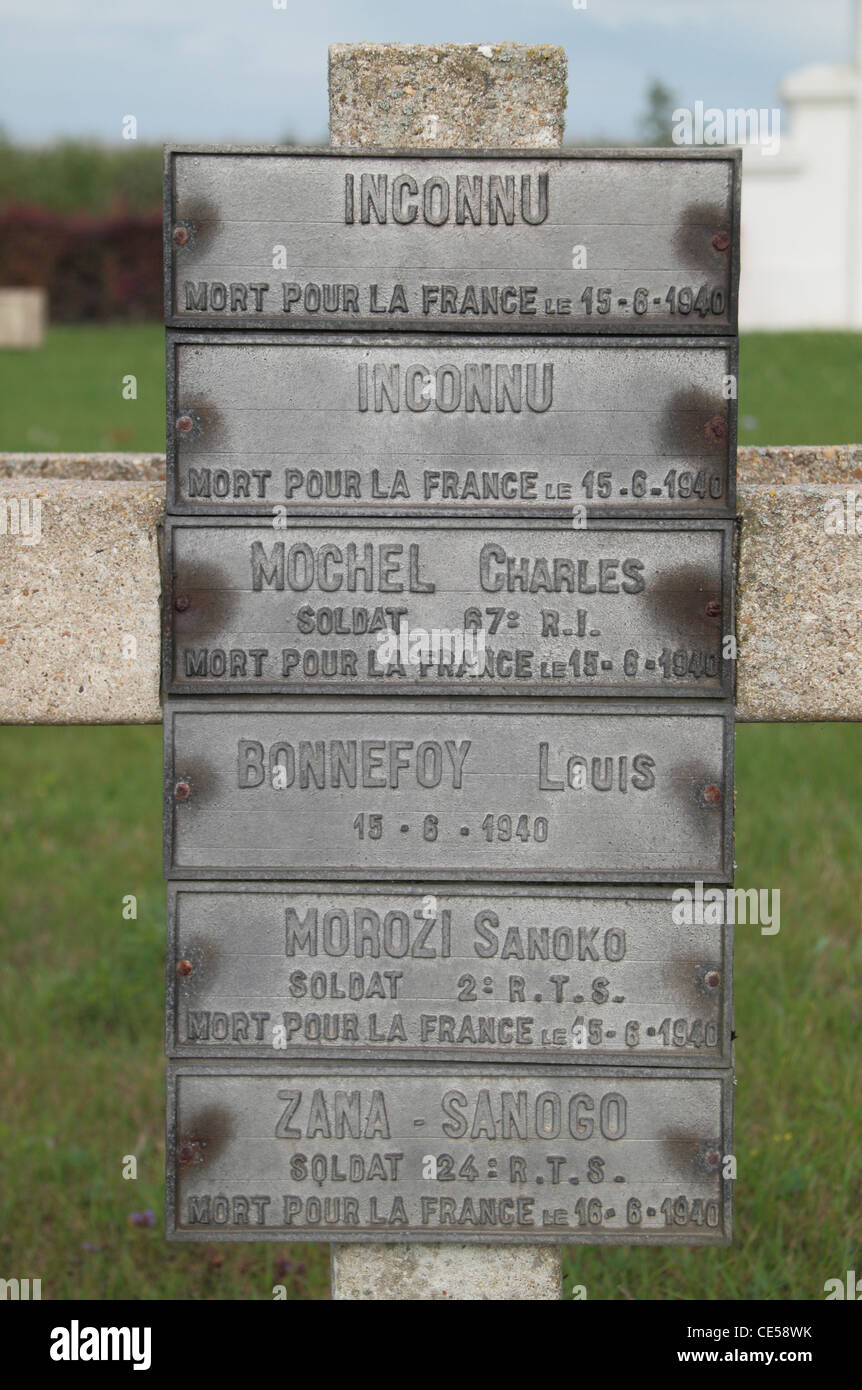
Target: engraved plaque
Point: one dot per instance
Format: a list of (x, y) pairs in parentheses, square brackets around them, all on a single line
[(445, 973), (458, 607), (451, 560), (476, 791), (631, 241), (455, 426), (304, 1151)]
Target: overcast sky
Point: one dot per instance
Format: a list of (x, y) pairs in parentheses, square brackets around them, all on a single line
[(220, 69)]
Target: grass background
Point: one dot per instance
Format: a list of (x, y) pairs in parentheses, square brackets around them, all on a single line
[(81, 987)]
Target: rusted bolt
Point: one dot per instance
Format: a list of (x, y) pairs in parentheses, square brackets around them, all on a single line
[(184, 967), (721, 241), (181, 235), (713, 608), (711, 979), (716, 429), (186, 1153), (185, 424), (182, 791), (181, 603), (711, 794), (712, 1158)]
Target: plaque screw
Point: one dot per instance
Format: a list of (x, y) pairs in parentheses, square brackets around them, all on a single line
[(182, 603), (184, 967), (182, 791), (711, 979), (185, 424), (712, 1158), (186, 1153), (712, 794), (181, 235), (721, 241), (713, 608), (716, 429)]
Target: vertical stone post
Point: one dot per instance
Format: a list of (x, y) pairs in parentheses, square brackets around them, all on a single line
[(446, 96)]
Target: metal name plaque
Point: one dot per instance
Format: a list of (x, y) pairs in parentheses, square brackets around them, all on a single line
[(445, 974), (630, 241), (533, 608), (407, 789), (622, 1156), (292, 424)]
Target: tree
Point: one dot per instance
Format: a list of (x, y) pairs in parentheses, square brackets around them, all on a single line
[(656, 123)]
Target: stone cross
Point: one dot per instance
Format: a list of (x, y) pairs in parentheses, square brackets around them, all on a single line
[(446, 96), (85, 525)]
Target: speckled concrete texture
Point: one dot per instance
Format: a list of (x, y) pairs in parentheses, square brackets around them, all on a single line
[(447, 96), (435, 1272), (79, 601), (805, 463), (799, 600), (144, 468)]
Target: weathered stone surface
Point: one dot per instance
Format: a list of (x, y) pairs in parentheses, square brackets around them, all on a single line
[(447, 96), (145, 468), (799, 588), (834, 463), (435, 1272), (23, 315), (799, 603), (79, 577)]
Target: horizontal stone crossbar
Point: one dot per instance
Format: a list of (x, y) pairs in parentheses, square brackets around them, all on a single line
[(80, 600)]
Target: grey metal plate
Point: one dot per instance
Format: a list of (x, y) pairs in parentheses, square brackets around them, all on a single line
[(444, 973), (407, 789), (593, 241), (267, 1151), (405, 426), (531, 608)]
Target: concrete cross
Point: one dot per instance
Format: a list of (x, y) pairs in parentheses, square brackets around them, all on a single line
[(80, 590)]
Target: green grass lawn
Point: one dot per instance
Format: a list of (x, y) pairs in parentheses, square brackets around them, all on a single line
[(81, 1003), (81, 987), (68, 395), (800, 388)]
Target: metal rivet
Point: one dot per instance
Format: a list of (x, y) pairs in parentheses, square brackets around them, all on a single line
[(711, 794), (185, 1153), (185, 424), (182, 791), (712, 979), (716, 428), (721, 241), (181, 603), (713, 608), (712, 1158), (181, 235), (184, 967)]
